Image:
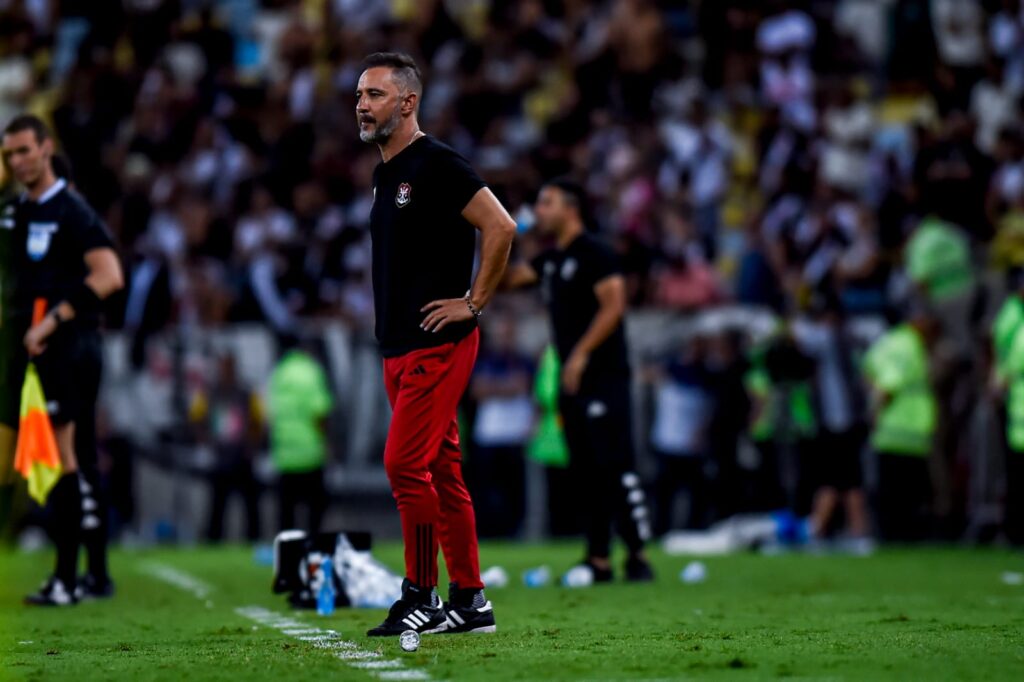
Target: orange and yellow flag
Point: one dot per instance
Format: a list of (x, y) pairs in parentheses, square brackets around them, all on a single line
[(36, 456)]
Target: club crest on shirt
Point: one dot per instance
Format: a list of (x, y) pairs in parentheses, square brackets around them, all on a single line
[(39, 237), (404, 195)]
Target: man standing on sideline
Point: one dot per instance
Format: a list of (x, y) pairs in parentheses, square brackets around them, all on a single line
[(585, 292), (63, 254), (427, 202)]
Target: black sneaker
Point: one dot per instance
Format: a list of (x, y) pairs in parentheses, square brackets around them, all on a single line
[(639, 570), (418, 609), (90, 587), (468, 611), (52, 593)]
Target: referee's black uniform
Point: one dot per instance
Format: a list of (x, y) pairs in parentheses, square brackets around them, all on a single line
[(50, 238), (597, 421)]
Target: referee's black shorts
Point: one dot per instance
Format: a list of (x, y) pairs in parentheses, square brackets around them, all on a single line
[(68, 369), (598, 424)]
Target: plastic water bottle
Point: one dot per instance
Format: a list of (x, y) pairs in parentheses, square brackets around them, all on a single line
[(578, 576), (495, 577), (325, 593), (695, 572), (537, 577), (263, 555)]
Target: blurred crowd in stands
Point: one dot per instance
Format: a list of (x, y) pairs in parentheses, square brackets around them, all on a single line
[(823, 159)]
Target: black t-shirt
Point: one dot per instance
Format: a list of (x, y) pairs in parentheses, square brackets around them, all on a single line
[(423, 249), (50, 240), (567, 280)]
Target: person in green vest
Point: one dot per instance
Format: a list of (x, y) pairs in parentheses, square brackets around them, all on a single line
[(904, 415), (1004, 332), (298, 403), (782, 414), (1004, 327), (1012, 373), (938, 262)]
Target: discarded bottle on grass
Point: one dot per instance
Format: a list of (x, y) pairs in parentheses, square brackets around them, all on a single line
[(263, 555), (537, 577), (325, 591), (495, 577), (578, 576), (695, 572)]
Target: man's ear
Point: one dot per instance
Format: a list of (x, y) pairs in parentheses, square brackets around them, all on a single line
[(409, 103), (47, 147)]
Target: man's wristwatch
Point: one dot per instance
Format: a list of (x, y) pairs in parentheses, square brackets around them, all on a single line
[(57, 317), (472, 308)]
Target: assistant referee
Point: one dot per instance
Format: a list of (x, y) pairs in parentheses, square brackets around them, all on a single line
[(62, 253), (585, 292), (428, 206)]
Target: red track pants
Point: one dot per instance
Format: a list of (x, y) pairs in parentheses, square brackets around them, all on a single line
[(424, 463)]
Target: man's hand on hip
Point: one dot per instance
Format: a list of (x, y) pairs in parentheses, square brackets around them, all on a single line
[(443, 312)]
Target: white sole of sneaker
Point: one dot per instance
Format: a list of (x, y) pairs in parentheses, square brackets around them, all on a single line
[(441, 628), (486, 629)]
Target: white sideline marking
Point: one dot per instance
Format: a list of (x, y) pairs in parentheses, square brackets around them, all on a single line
[(377, 665), (180, 579), (360, 659), (355, 657)]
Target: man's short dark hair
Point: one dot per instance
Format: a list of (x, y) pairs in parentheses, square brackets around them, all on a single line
[(574, 194), (404, 69), (572, 190), (28, 122)]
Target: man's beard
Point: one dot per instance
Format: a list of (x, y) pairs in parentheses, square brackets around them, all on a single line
[(382, 132)]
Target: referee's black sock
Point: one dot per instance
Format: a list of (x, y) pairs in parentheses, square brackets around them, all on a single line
[(94, 531), (66, 527), (95, 541)]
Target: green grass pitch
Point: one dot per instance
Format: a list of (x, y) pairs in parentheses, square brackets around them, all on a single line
[(915, 614)]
